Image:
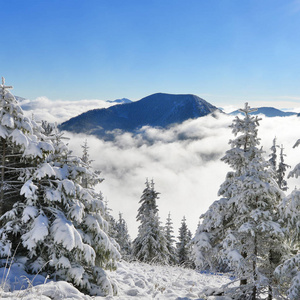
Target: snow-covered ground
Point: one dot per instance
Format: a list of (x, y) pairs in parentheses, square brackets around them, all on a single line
[(134, 280)]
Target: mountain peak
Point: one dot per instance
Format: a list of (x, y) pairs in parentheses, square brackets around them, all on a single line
[(157, 110)]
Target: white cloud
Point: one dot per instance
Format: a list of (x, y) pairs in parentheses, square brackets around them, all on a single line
[(187, 172), (59, 111)]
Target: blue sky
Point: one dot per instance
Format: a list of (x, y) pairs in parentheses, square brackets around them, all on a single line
[(225, 51)]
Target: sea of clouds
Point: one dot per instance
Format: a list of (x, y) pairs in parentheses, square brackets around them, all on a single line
[(59, 111), (183, 160)]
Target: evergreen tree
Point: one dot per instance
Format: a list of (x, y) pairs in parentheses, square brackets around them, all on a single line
[(86, 160), (57, 221), (242, 230), (273, 155), (150, 245), (47, 127), (20, 148), (282, 168), (111, 222), (122, 238), (184, 245), (170, 241), (288, 273)]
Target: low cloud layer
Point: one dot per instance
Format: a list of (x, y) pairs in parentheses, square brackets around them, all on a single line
[(184, 161), (59, 111)]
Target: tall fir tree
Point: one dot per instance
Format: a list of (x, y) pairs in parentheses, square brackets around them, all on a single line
[(242, 230), (57, 221), (171, 241), (122, 238), (150, 245), (184, 250), (273, 155), (288, 273), (111, 222), (281, 171), (281, 167), (20, 148)]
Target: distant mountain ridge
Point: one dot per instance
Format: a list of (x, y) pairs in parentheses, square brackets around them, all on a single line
[(120, 101), (157, 110), (268, 112)]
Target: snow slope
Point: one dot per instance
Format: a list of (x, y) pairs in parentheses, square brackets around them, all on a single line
[(135, 281)]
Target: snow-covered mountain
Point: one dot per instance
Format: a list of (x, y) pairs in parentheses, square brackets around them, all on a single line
[(268, 112), (157, 110)]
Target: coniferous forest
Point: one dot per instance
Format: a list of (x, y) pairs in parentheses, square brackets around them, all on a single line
[(54, 222)]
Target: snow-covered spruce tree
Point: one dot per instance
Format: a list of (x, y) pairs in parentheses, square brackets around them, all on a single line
[(59, 223), (22, 147), (87, 161), (105, 211), (16, 135), (150, 245), (242, 230), (170, 241), (288, 273), (207, 242), (84, 207), (122, 238), (281, 171), (281, 168), (47, 127), (111, 222), (184, 255), (273, 155)]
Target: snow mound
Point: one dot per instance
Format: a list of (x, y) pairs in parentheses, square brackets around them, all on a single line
[(135, 281), (143, 281)]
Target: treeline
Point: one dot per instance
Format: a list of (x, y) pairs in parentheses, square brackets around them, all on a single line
[(154, 243)]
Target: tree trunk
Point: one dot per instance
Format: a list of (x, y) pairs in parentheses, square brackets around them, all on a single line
[(270, 295), (274, 260), (254, 290), (2, 177), (243, 281)]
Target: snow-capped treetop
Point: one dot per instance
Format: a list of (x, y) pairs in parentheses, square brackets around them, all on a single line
[(11, 113), (19, 129), (243, 147), (148, 201)]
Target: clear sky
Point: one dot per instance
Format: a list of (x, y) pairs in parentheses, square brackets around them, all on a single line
[(224, 51)]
